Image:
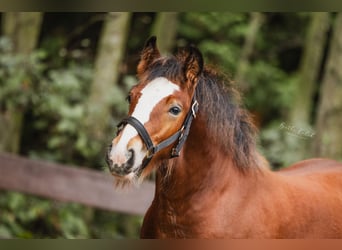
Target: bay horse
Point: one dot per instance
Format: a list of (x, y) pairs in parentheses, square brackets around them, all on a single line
[(186, 121)]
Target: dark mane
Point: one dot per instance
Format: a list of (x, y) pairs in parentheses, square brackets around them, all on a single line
[(230, 125), (228, 122)]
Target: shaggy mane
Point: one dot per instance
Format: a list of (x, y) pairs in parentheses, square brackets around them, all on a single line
[(230, 125)]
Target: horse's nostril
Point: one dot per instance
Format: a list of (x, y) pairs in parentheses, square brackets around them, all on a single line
[(130, 156)]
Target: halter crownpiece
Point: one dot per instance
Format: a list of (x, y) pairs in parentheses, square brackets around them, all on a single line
[(181, 135)]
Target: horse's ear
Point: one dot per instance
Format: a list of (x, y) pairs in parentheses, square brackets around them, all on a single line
[(192, 63), (149, 53)]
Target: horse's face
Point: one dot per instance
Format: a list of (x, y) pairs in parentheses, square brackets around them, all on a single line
[(161, 106)]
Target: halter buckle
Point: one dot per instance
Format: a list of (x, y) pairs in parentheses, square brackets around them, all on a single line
[(174, 152), (150, 152)]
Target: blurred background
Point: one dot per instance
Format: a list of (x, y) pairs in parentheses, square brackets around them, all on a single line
[(64, 78)]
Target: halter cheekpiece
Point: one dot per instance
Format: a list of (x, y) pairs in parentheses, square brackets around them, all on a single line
[(180, 135)]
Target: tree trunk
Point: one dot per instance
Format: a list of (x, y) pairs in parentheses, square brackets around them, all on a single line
[(165, 28), (23, 29), (329, 119), (256, 20), (309, 69), (302, 105), (104, 90)]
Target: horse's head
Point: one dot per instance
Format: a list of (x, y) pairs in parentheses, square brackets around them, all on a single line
[(161, 107)]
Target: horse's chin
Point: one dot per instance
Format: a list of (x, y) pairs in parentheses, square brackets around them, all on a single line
[(134, 178), (128, 180)]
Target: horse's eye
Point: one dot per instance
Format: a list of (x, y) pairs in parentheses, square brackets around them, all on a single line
[(175, 110)]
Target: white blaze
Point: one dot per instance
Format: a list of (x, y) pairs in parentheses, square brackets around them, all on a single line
[(151, 95)]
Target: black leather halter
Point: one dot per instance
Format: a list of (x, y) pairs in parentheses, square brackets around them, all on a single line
[(180, 135)]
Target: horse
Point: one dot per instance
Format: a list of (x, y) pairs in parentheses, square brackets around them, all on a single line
[(186, 121)]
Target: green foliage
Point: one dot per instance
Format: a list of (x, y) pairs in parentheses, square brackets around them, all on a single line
[(61, 112), (25, 216), (219, 36), (109, 225), (265, 80), (285, 144), (53, 100), (19, 76)]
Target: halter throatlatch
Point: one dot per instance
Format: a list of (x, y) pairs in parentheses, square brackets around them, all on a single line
[(180, 135)]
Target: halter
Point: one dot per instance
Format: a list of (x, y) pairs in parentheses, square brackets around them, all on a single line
[(180, 135)]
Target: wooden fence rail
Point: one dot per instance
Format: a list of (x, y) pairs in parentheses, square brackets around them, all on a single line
[(71, 184)]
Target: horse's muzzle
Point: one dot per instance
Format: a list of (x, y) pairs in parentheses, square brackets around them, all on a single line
[(120, 169)]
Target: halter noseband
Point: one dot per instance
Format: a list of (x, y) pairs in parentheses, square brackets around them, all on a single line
[(180, 135)]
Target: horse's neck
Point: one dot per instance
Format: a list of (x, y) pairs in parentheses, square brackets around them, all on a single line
[(202, 169), (201, 185)]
